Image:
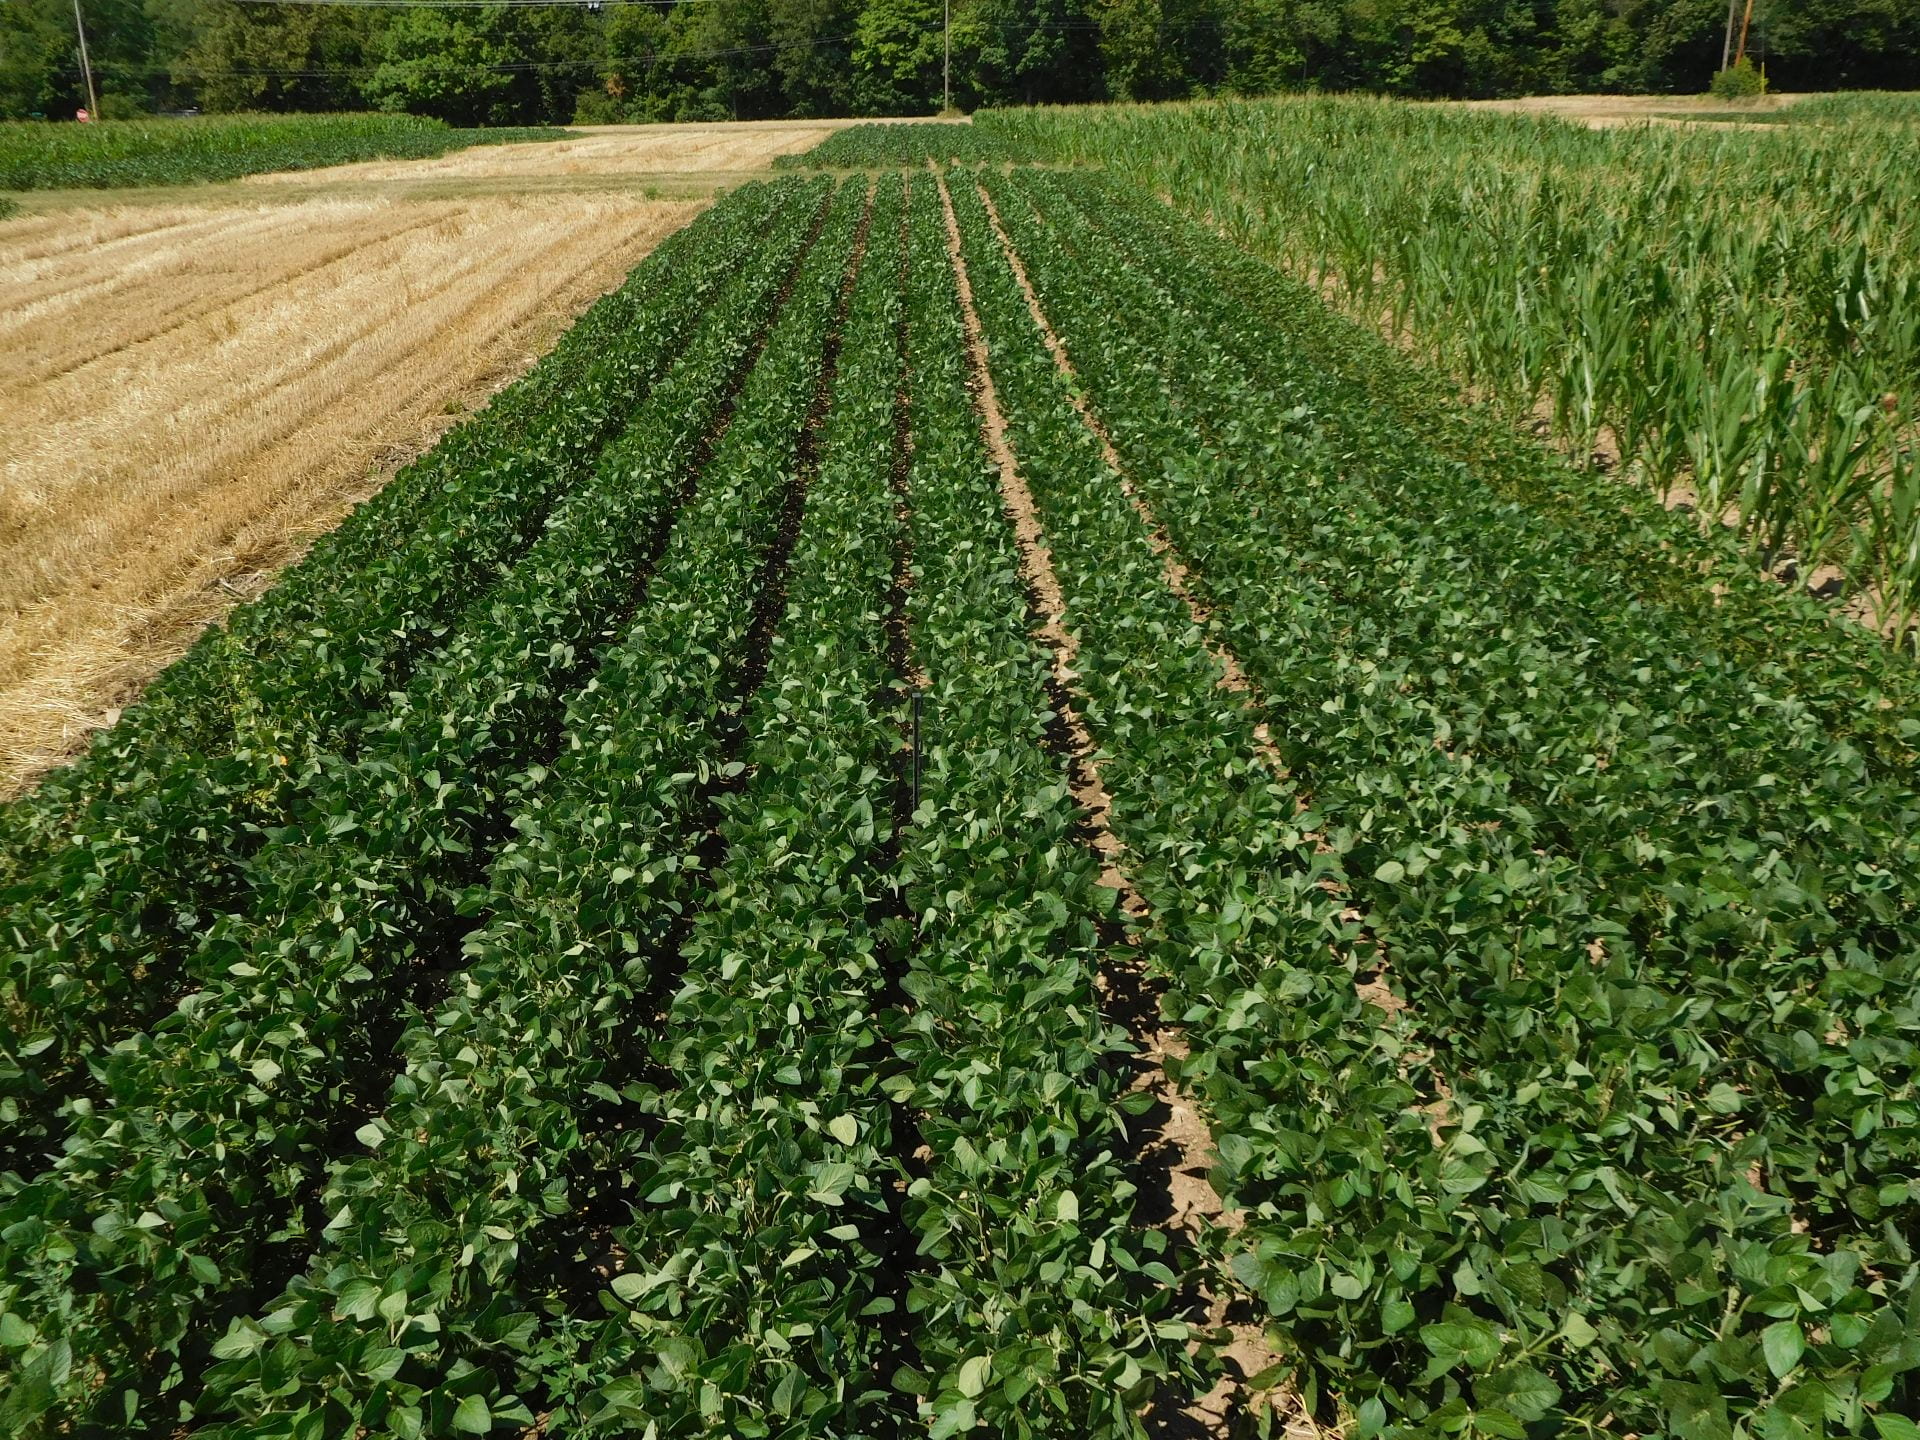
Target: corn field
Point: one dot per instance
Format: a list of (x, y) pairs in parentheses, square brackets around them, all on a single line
[(1730, 312)]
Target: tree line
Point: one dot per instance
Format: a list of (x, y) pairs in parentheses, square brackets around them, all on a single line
[(757, 59)]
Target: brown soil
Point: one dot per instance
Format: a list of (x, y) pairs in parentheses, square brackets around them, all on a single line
[(194, 391)]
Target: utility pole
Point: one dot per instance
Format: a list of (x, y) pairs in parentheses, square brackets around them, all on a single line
[(1726, 45), (946, 57), (1741, 53), (86, 65)]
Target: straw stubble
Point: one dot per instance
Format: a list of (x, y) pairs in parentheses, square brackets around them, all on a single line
[(193, 393)]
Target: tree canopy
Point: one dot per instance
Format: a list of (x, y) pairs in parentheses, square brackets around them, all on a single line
[(751, 59)]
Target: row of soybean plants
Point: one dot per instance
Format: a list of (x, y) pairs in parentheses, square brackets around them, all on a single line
[(1644, 549), (113, 873), (178, 1174), (778, 1269), (459, 1261), (1571, 786), (1638, 1152), (450, 1277), (881, 1184), (1037, 1305), (1726, 307), (859, 1202)]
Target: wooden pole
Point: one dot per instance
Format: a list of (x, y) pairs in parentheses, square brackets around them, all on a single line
[(86, 65), (1746, 20)]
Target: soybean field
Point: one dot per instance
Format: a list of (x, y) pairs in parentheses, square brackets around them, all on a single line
[(968, 813), (45, 155)]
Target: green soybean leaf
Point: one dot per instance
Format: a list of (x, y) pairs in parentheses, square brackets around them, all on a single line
[(1472, 1343), (1522, 1391), (242, 1339), (973, 1375), (471, 1416), (1783, 1344)]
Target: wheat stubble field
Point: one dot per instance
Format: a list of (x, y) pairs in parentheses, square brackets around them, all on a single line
[(199, 381)]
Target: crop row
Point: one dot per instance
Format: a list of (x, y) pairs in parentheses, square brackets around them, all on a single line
[(1040, 1305), (196, 1178), (1220, 569), (371, 594), (47, 155), (123, 861), (754, 1260), (1649, 1026), (1769, 774), (1857, 687), (799, 1264), (595, 1033)]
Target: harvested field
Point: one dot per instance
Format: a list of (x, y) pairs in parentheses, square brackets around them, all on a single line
[(193, 392), (600, 150)]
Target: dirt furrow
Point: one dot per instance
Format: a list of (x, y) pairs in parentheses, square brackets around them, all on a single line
[(1372, 984)]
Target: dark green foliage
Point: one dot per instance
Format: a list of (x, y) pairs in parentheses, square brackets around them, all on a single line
[(242, 57), (755, 59), (128, 41), (349, 908), (1741, 80), (1041, 1308), (1724, 307), (471, 66), (104, 861), (552, 1015), (1574, 1181), (890, 146), (575, 924), (46, 156)]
